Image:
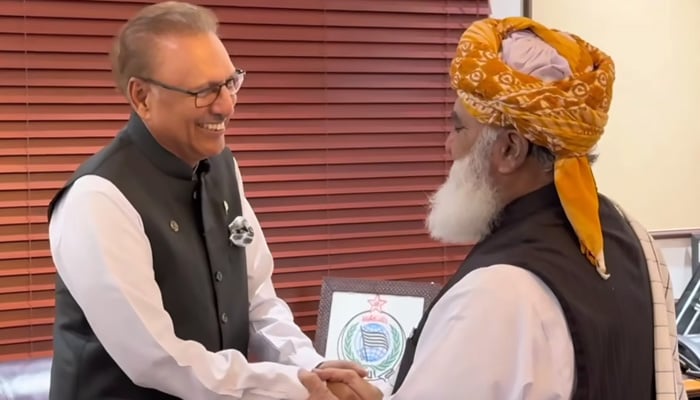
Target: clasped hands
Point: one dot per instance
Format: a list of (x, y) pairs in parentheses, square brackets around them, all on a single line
[(339, 380)]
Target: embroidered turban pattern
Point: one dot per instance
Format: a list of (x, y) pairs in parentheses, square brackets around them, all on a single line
[(567, 116)]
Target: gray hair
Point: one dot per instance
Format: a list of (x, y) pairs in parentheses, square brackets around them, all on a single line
[(132, 53), (542, 154), (546, 158)]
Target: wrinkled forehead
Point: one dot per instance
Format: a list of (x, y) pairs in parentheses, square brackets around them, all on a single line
[(191, 59)]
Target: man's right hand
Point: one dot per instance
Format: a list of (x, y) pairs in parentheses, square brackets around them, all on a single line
[(320, 390), (316, 387), (363, 389)]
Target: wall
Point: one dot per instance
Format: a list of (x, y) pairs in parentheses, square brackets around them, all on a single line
[(649, 151), (656, 80)]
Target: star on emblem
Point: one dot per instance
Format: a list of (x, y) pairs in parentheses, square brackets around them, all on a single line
[(376, 304)]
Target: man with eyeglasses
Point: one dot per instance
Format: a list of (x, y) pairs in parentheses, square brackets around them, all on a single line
[(164, 276)]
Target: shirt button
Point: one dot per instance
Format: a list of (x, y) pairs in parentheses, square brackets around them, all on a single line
[(224, 318), (219, 276)]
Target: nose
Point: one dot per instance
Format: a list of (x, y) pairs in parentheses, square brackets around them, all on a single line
[(225, 103), (449, 143)]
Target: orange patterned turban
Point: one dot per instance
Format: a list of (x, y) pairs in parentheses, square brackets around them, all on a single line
[(566, 116)]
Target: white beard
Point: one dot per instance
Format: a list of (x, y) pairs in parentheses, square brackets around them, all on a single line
[(464, 208)]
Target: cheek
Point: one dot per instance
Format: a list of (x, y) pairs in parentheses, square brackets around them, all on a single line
[(187, 119), (173, 112), (449, 143), (459, 145)]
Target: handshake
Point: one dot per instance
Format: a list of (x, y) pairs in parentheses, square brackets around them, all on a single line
[(339, 380)]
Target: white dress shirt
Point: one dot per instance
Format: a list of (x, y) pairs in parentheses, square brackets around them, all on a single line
[(103, 255), (498, 334)]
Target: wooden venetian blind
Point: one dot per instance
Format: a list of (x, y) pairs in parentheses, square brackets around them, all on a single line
[(339, 132)]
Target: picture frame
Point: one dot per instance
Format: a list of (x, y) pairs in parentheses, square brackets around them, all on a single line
[(527, 8), (688, 305), (369, 321), (510, 8), (695, 252)]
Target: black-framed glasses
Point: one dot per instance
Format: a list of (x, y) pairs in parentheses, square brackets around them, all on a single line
[(207, 96)]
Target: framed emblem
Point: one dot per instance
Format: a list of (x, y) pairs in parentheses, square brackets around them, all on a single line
[(368, 321)]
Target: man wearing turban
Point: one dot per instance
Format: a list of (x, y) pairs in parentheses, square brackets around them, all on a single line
[(563, 295)]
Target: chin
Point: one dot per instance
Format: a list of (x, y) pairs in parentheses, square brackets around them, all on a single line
[(461, 216), (464, 208), (212, 146)]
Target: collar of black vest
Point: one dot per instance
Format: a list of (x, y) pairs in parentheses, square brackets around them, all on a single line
[(163, 159), (543, 198)]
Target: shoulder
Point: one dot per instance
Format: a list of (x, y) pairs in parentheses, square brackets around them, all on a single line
[(90, 194), (512, 283), (93, 186), (503, 325), (509, 291), (110, 158)]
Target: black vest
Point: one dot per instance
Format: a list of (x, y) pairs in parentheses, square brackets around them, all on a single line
[(610, 321), (201, 275)]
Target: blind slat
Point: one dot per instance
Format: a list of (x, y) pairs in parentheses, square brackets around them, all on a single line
[(339, 133), (101, 81), (77, 96), (100, 32)]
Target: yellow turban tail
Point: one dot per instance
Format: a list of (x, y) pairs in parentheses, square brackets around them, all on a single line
[(567, 117), (579, 197)]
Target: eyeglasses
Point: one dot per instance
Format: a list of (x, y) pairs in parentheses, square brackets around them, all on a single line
[(207, 96)]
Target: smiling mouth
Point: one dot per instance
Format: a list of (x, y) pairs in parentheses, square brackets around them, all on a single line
[(220, 127)]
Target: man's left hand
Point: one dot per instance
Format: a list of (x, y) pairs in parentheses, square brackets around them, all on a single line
[(343, 364)]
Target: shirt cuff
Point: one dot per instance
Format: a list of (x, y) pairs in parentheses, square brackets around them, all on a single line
[(307, 358), (296, 391), (385, 387)]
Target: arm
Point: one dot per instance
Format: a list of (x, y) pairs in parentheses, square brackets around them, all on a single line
[(274, 335), (493, 343), (103, 256), (665, 334)]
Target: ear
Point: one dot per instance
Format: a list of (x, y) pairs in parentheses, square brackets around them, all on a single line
[(140, 96), (511, 151)]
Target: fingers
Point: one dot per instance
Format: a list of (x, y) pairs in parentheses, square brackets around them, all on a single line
[(352, 366), (343, 391), (310, 380), (344, 364), (316, 386), (363, 388), (337, 375)]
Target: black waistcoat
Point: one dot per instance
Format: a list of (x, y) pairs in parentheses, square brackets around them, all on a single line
[(610, 321), (201, 275)]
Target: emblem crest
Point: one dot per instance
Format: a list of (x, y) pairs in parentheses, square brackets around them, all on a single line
[(373, 339)]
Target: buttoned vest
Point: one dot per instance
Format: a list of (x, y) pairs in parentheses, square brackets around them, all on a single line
[(201, 274)]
